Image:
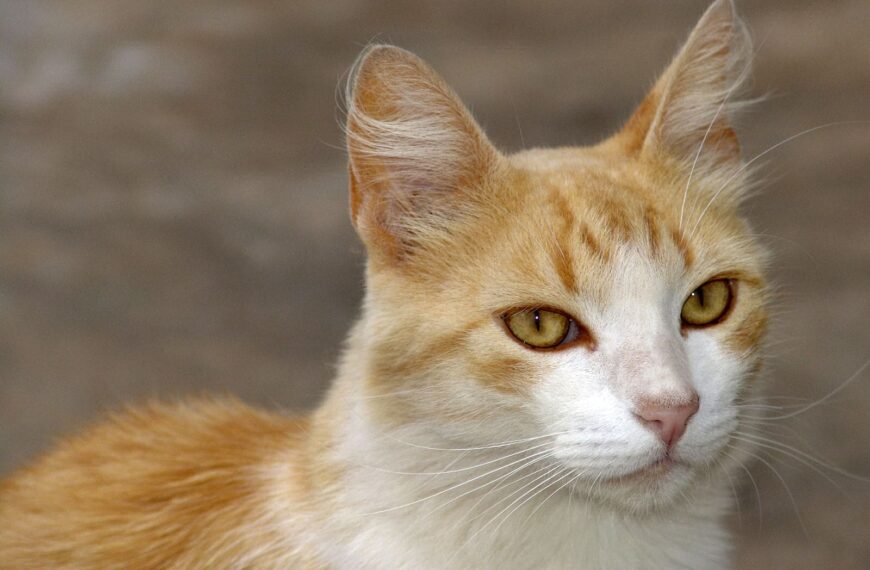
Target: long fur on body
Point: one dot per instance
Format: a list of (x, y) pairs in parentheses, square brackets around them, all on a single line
[(444, 443)]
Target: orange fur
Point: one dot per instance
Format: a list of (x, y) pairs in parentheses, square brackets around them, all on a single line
[(456, 233), (162, 486)]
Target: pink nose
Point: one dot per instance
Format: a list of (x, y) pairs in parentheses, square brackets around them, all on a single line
[(668, 421)]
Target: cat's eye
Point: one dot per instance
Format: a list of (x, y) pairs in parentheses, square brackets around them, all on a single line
[(541, 328), (707, 304)]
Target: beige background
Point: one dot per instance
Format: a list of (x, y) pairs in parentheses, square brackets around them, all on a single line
[(173, 211)]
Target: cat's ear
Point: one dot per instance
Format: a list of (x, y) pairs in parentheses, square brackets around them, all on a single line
[(688, 114), (418, 160)]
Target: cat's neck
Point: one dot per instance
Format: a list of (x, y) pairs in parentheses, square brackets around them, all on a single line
[(431, 502)]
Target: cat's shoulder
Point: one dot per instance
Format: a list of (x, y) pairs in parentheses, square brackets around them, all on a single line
[(183, 474), (208, 432)]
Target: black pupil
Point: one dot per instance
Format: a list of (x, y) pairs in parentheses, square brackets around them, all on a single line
[(537, 316), (699, 293)]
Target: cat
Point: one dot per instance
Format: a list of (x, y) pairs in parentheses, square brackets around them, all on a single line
[(547, 372)]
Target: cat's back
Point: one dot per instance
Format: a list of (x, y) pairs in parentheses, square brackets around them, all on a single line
[(161, 486)]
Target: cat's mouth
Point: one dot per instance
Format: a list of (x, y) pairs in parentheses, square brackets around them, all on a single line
[(650, 472)]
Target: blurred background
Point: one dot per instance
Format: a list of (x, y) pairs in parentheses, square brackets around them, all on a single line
[(173, 213)]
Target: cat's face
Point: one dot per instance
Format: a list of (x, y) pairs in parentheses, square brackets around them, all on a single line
[(558, 297)]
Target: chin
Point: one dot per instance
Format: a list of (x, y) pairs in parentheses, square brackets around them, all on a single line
[(657, 487)]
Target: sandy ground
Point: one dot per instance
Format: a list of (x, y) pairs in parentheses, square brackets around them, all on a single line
[(173, 211)]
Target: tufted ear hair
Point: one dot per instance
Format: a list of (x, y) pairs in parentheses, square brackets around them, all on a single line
[(418, 161), (688, 114)]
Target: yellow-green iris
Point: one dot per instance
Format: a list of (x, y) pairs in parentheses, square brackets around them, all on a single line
[(539, 328), (707, 303)]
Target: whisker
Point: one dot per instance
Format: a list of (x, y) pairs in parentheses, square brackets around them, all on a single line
[(539, 488), (569, 481), (772, 448), (760, 155), (501, 480), (807, 459), (770, 398), (461, 469), (471, 538), (482, 447), (448, 489), (453, 462), (737, 83), (757, 492), (734, 493), (506, 482), (787, 490), (769, 406), (547, 477), (405, 392), (824, 398), (752, 481), (541, 473)]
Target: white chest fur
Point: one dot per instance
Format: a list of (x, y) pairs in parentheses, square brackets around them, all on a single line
[(528, 521)]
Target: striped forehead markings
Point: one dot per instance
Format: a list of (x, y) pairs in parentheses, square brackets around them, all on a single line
[(616, 225)]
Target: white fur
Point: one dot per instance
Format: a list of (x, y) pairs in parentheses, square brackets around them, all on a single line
[(420, 496), (559, 479)]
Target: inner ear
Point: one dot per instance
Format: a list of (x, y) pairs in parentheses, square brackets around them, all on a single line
[(689, 112), (417, 158)]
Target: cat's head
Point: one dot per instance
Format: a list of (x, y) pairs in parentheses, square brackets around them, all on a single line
[(605, 304)]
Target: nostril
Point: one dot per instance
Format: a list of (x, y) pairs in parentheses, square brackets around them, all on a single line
[(655, 425), (668, 421)]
